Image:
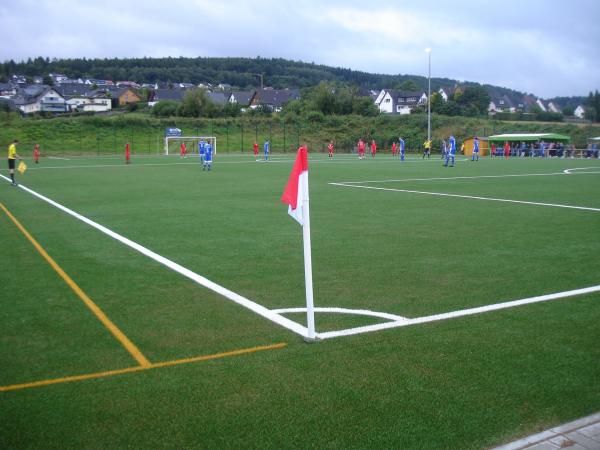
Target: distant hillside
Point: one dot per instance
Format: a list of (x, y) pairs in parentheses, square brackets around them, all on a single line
[(237, 72)]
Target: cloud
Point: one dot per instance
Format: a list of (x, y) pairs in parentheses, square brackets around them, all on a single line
[(545, 48)]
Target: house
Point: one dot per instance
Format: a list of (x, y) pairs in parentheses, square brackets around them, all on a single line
[(390, 101), (95, 103), (579, 112), (274, 99), (57, 77), (38, 79), (18, 79), (129, 84), (553, 107), (541, 105), (224, 86), (494, 106), (37, 98), (97, 82), (160, 95), (446, 93), (126, 96), (8, 90), (185, 85), (242, 98)]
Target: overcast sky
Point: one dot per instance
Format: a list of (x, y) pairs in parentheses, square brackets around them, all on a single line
[(545, 47)]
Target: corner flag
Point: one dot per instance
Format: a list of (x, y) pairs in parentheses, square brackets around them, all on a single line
[(296, 196), (22, 167), (293, 194)]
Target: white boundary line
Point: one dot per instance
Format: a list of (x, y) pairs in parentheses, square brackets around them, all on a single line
[(255, 307), (473, 197), (358, 312), (564, 172), (570, 171), (460, 313), (455, 178)]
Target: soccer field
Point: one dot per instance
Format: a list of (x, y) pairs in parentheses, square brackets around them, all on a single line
[(115, 331)]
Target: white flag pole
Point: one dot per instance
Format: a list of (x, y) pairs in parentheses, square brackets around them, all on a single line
[(310, 309)]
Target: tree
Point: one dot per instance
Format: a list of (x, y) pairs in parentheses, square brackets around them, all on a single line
[(47, 80), (475, 99), (364, 106), (437, 103), (324, 98), (408, 85), (197, 104), (590, 113), (568, 111)]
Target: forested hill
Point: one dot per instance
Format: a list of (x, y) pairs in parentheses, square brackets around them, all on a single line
[(238, 72)]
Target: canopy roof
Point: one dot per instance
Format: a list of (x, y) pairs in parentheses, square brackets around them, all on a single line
[(529, 137)]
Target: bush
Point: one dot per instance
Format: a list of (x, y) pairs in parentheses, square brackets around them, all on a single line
[(315, 116), (166, 108)]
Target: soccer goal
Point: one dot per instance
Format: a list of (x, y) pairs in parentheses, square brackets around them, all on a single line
[(192, 144)]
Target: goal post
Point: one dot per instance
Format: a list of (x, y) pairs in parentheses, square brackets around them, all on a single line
[(172, 144)]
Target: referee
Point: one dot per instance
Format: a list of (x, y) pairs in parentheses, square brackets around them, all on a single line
[(12, 155)]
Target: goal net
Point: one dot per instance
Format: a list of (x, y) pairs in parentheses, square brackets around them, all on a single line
[(172, 144)]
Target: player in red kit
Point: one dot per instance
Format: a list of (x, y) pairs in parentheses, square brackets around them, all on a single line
[(127, 153), (182, 150), (255, 149), (330, 149), (394, 149), (361, 149), (373, 148), (36, 153)]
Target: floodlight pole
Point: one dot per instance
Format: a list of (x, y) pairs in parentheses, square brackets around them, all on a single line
[(428, 50), (260, 75)]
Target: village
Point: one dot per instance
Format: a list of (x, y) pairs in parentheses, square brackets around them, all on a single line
[(60, 95)]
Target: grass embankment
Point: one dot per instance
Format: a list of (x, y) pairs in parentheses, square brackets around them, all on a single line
[(106, 135)]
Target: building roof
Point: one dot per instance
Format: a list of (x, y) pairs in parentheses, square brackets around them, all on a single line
[(529, 137), (72, 89), (275, 97), (168, 94), (243, 97), (217, 97)]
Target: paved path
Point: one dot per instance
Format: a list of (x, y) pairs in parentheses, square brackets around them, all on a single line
[(582, 434)]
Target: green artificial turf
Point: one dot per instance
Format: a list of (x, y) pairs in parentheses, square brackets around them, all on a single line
[(471, 382)]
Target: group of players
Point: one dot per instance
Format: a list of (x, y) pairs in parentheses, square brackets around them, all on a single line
[(205, 152)]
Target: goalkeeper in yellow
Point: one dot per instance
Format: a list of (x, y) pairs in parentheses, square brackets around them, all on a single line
[(12, 156)]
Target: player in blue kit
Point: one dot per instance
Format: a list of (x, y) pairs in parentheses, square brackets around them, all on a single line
[(450, 151), (401, 149), (201, 150), (266, 149), (208, 155), (475, 156)]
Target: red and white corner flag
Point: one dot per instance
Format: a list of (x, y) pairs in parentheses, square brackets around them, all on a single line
[(293, 194), (296, 196)]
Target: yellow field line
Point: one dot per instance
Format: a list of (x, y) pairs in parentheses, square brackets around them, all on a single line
[(124, 340), (109, 373)]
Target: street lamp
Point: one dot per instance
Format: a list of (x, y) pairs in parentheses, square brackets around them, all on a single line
[(428, 51)]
